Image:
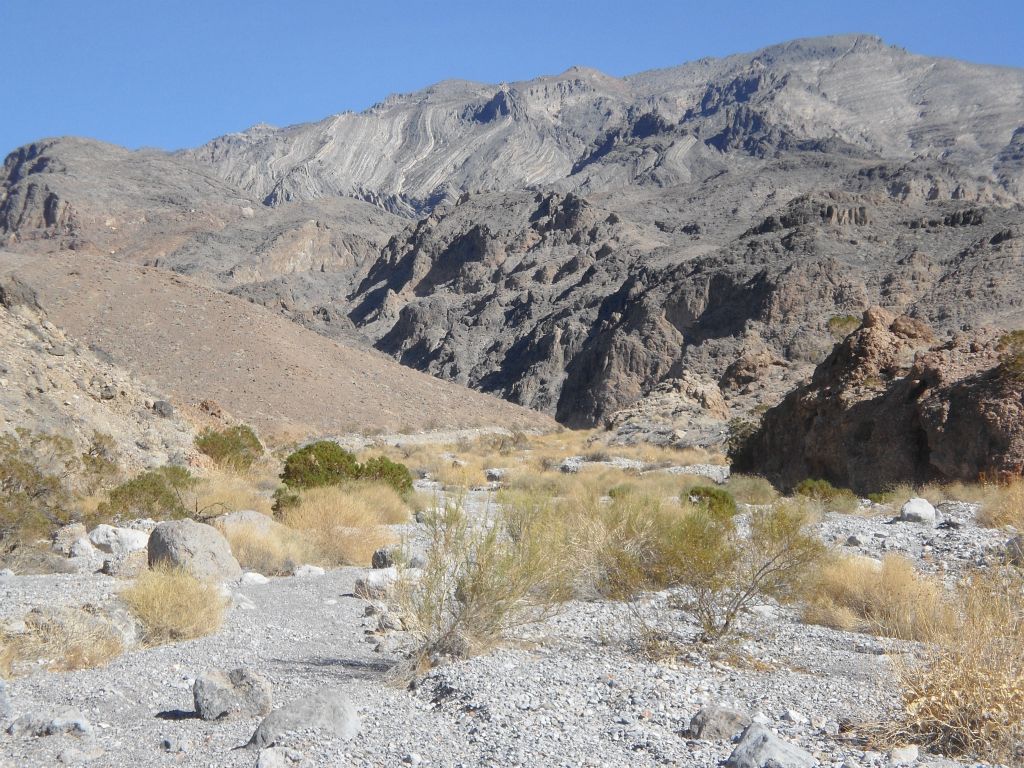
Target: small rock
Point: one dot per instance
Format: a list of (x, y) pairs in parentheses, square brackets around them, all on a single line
[(107, 392), (715, 722), (495, 474), (328, 709), (918, 511), (792, 716), (250, 578), (376, 585), (6, 573), (279, 757), (175, 745), (239, 692), (126, 566), (383, 558), (308, 570), (83, 549), (760, 748), (904, 755), (69, 721), (412, 759), (66, 536), (855, 541), (163, 408)]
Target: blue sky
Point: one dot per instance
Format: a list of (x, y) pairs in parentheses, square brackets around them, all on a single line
[(172, 74)]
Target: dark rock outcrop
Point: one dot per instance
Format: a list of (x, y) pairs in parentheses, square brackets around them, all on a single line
[(887, 407)]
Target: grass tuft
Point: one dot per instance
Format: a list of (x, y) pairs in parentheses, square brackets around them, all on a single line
[(173, 605)]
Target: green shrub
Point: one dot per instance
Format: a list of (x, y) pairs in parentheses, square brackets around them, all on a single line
[(622, 490), (156, 493), (327, 463), (842, 326), (321, 463), (235, 447), (383, 470), (822, 491), (35, 496), (1011, 355), (718, 503)]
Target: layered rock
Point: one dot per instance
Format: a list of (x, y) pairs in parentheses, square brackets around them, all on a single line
[(888, 406), (689, 411)]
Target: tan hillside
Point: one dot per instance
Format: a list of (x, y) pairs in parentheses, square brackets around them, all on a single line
[(196, 343)]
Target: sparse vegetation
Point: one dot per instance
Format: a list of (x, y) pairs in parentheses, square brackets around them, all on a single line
[(717, 502), (276, 551), (964, 696), (841, 326), (60, 640), (1011, 356), (836, 499), (173, 605), (751, 489), (345, 525), (156, 493), (326, 463), (235, 447), (859, 594)]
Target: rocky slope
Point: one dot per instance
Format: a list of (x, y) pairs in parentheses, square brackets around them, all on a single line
[(197, 344), (571, 242), (889, 405), (50, 383)]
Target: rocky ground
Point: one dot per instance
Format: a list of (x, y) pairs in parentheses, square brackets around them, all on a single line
[(575, 689)]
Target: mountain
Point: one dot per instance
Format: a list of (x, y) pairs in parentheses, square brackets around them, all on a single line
[(572, 241)]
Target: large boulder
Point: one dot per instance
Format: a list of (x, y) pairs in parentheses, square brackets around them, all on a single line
[(328, 709), (761, 748), (682, 412), (198, 548), (240, 692), (887, 406)]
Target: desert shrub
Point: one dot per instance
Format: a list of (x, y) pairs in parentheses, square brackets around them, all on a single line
[(621, 490), (235, 447), (275, 551), (327, 463), (35, 496), (387, 472), (718, 502), (859, 594), (345, 525), (157, 493), (99, 462), (836, 499), (62, 640), (318, 464), (842, 326), (1002, 505), (481, 581), (964, 696), (751, 489), (1011, 356), (220, 492), (728, 571), (173, 605)]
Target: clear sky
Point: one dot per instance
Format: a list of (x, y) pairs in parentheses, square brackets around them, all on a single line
[(169, 73)]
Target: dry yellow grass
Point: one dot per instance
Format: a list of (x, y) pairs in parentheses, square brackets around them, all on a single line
[(751, 489), (346, 525), (858, 594), (965, 695), (219, 492), (62, 640), (173, 605), (1003, 505), (276, 551)]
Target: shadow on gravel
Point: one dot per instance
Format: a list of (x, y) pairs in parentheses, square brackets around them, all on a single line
[(177, 714), (351, 669)]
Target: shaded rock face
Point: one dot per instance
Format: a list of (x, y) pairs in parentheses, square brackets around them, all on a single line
[(888, 407)]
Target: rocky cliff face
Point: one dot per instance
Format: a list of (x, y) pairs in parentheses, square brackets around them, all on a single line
[(890, 406), (573, 241)]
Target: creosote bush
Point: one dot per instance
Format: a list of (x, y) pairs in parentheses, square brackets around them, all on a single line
[(156, 493), (716, 501), (327, 463), (235, 447), (173, 605)]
